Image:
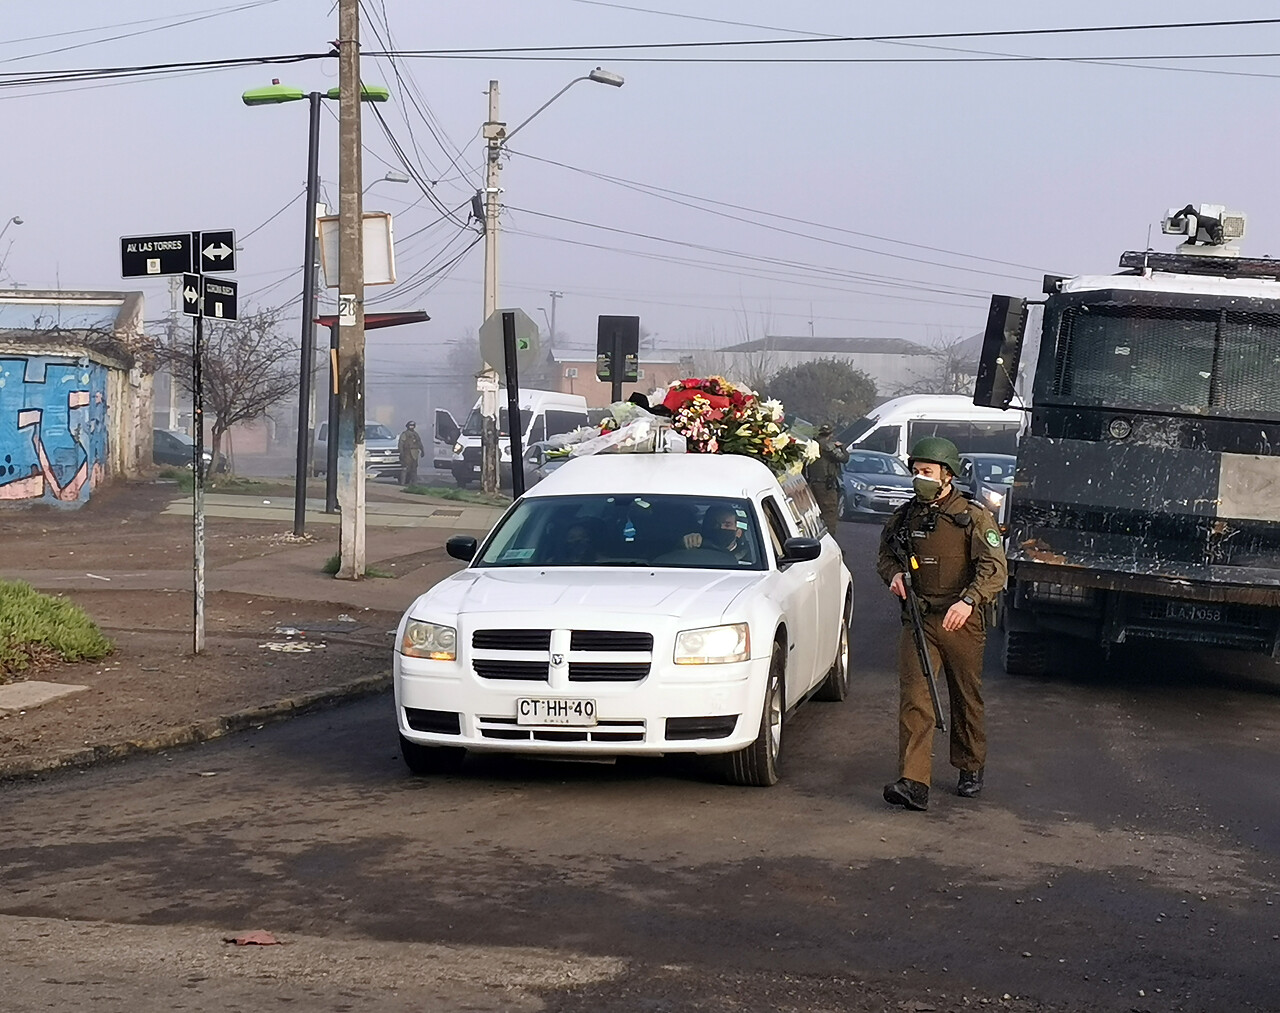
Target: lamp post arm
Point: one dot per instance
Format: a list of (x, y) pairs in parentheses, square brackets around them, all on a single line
[(522, 125)]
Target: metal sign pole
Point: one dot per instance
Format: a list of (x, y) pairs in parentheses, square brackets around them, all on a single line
[(513, 404), (615, 368), (197, 472)]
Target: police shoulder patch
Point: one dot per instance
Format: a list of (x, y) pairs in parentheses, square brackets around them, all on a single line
[(993, 537)]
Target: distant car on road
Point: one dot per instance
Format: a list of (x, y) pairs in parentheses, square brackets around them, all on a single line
[(873, 484), (538, 464), (987, 479), (381, 451), (174, 447)]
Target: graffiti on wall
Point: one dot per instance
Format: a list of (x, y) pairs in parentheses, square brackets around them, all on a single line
[(53, 428)]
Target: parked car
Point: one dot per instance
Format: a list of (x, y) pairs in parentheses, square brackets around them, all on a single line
[(987, 479), (176, 448), (538, 465), (873, 484), (630, 604), (381, 451)]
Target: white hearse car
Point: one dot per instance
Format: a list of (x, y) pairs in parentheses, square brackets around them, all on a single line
[(631, 604)]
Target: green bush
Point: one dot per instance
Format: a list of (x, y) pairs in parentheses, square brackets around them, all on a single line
[(37, 629)]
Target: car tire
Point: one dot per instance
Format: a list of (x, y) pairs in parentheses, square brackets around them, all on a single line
[(756, 765), (422, 760), (463, 477), (835, 687)]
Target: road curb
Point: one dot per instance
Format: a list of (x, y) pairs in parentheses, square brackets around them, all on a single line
[(196, 732)]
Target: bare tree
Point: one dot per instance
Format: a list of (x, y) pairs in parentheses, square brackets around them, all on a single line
[(947, 370), (248, 366)]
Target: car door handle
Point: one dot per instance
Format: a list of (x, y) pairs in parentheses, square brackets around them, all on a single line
[(810, 577)]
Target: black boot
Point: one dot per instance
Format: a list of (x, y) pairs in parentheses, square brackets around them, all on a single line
[(907, 793), (970, 783)]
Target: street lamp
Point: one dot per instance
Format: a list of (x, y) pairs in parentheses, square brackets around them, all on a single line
[(497, 136), (277, 94), (15, 220), (391, 176)]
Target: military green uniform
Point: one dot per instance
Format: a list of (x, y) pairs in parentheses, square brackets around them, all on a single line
[(823, 476), (960, 552)]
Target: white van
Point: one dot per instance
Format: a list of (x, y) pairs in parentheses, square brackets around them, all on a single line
[(543, 413), (895, 426)]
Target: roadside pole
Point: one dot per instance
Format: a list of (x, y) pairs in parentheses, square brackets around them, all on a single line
[(494, 131), (197, 473), (513, 403)]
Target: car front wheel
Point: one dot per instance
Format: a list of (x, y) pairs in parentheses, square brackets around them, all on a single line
[(756, 765)]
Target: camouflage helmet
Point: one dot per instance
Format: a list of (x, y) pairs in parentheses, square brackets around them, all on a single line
[(937, 450)]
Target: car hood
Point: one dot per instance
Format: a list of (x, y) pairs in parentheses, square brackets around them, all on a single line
[(599, 590), (882, 480)]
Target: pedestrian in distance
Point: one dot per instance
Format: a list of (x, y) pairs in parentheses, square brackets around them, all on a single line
[(944, 553), (823, 475), (410, 447)]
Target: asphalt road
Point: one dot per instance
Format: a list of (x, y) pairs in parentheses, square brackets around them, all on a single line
[(1124, 856)]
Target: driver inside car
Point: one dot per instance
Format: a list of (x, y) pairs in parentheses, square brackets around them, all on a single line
[(720, 530)]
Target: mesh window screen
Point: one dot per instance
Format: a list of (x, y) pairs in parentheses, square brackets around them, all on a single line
[(1248, 364)]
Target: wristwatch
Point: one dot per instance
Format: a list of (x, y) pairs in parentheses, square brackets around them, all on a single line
[(968, 600)]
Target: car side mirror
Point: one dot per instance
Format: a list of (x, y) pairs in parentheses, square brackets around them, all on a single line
[(462, 547), (798, 550)]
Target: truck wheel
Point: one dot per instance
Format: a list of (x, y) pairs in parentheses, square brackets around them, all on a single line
[(835, 687), (1026, 652), (756, 766)]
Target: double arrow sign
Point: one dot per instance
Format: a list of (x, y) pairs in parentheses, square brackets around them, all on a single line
[(192, 255)]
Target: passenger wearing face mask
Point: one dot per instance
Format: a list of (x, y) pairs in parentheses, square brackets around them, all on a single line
[(962, 569)]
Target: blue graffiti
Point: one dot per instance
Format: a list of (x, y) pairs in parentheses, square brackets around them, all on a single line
[(53, 428)]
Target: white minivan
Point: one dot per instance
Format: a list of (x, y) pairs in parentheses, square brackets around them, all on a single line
[(543, 414), (895, 426)]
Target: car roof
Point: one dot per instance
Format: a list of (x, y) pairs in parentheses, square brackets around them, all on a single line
[(989, 457), (870, 453), (673, 474)]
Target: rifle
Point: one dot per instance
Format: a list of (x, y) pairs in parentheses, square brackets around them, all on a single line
[(916, 615)]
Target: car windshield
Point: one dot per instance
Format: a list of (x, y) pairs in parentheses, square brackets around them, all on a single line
[(377, 431), (995, 472), (691, 532), (875, 464)]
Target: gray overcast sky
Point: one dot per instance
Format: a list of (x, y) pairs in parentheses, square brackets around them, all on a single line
[(1049, 166)]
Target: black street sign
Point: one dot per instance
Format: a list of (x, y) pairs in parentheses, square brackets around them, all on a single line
[(217, 250), (153, 256), (191, 295), (618, 349), (218, 299)]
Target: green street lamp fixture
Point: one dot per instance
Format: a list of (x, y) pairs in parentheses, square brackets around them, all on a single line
[(277, 94)]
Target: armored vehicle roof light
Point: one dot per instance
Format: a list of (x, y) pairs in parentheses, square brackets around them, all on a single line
[(1206, 225)]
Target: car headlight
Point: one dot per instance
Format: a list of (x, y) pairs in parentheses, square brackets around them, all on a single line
[(457, 448), (713, 645), (993, 497), (858, 484), (429, 640)]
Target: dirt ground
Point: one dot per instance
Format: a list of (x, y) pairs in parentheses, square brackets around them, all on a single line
[(259, 648)]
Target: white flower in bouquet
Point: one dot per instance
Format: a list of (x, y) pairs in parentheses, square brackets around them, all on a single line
[(811, 450), (774, 407), (780, 441)]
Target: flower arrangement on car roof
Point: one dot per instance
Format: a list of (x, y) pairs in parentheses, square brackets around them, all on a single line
[(708, 415), (719, 417)]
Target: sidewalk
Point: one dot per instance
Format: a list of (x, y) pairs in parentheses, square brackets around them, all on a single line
[(154, 694)]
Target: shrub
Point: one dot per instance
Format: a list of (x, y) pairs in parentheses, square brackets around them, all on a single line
[(38, 629)]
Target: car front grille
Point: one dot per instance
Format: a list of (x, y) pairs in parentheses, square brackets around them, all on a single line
[(505, 729), (592, 655)]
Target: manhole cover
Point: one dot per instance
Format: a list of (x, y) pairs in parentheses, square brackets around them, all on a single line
[(447, 512)]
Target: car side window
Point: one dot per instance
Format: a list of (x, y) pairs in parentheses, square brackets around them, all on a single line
[(804, 508), (885, 439), (778, 533), (563, 421), (538, 431), (322, 434)]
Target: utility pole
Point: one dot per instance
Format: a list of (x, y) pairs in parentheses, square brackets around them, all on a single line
[(306, 388), (175, 288), (351, 463), (495, 131), (554, 297)]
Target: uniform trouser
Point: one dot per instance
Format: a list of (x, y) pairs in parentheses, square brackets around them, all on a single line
[(828, 503), (957, 657), (409, 471)]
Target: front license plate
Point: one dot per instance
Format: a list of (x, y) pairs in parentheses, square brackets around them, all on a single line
[(1188, 612), (553, 711)]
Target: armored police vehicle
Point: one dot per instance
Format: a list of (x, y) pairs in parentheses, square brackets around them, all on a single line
[(1146, 502)]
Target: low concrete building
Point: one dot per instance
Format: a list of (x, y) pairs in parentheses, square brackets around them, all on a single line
[(893, 363), (570, 373), (75, 393)]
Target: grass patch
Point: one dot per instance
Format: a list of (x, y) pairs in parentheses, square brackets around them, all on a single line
[(333, 562), (37, 629), (458, 495), (219, 483), (182, 476)]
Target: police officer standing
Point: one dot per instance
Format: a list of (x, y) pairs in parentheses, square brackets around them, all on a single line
[(410, 447), (961, 570), (823, 475)]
